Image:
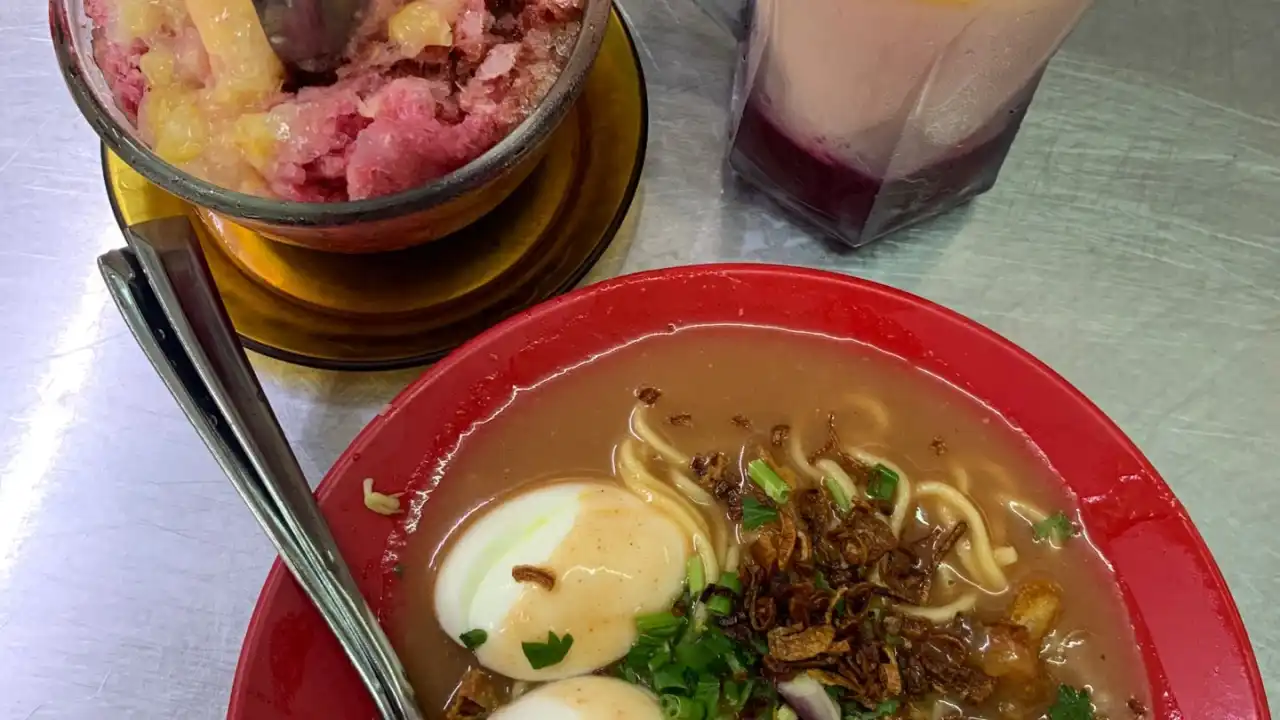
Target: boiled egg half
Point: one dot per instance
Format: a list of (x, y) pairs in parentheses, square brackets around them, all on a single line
[(584, 698), (610, 556)]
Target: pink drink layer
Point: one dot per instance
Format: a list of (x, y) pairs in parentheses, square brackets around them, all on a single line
[(425, 88), (851, 205), (866, 115)]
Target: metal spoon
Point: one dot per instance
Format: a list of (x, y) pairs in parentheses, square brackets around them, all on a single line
[(310, 34), (163, 288)]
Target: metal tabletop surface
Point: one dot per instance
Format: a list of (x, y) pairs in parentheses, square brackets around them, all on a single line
[(1133, 243)]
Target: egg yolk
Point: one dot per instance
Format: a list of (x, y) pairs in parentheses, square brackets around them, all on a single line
[(612, 557)]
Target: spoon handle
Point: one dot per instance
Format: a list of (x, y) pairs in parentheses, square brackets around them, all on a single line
[(163, 288)]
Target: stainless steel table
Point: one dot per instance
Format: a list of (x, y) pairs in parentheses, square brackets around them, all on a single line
[(1133, 243)]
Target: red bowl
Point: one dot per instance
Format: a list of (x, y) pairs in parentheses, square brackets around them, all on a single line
[(1194, 643)]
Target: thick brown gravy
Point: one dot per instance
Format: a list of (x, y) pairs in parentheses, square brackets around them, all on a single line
[(569, 425)]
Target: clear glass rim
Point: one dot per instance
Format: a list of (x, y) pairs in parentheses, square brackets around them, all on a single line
[(107, 122)]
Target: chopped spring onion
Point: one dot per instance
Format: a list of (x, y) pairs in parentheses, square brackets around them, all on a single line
[(719, 605), (696, 674), (669, 677), (1072, 704), (659, 625), (473, 639), (696, 575), (755, 514), (737, 668), (699, 619), (696, 655), (783, 712), (730, 580), (883, 483), (675, 707), (737, 693), (838, 494), (541, 655), (768, 479), (707, 693), (1056, 528)]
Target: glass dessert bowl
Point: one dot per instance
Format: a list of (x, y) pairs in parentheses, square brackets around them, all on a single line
[(375, 216)]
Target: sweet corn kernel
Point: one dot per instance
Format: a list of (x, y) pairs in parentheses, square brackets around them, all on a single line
[(181, 130), (246, 69), (142, 18), (159, 68), (417, 26), (257, 135)]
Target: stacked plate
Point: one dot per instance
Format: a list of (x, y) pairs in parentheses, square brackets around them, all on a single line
[(396, 309)]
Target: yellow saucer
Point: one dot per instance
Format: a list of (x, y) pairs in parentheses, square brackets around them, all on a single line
[(397, 309)]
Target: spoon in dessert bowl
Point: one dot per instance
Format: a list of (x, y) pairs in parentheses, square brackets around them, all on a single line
[(310, 35)]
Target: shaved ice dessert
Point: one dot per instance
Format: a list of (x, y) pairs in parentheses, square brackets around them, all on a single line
[(425, 87)]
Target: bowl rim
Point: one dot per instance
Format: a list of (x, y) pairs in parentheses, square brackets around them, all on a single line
[(1244, 690), (515, 146)]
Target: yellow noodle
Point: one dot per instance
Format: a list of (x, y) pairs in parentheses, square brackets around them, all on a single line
[(985, 565), (1029, 513), (832, 469), (965, 552), (873, 409), (949, 576), (902, 497), (629, 461), (710, 564), (703, 499), (720, 534), (901, 504), (964, 549), (654, 491), (701, 545), (994, 480), (682, 483), (643, 430), (692, 491), (799, 459), (1001, 481), (655, 494), (732, 557), (942, 613), (1006, 555)]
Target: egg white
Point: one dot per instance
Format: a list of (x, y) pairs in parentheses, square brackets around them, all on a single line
[(565, 528)]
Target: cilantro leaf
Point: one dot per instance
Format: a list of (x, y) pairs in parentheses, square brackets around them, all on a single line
[(1057, 528), (756, 513), (1072, 704), (541, 655), (473, 639)]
